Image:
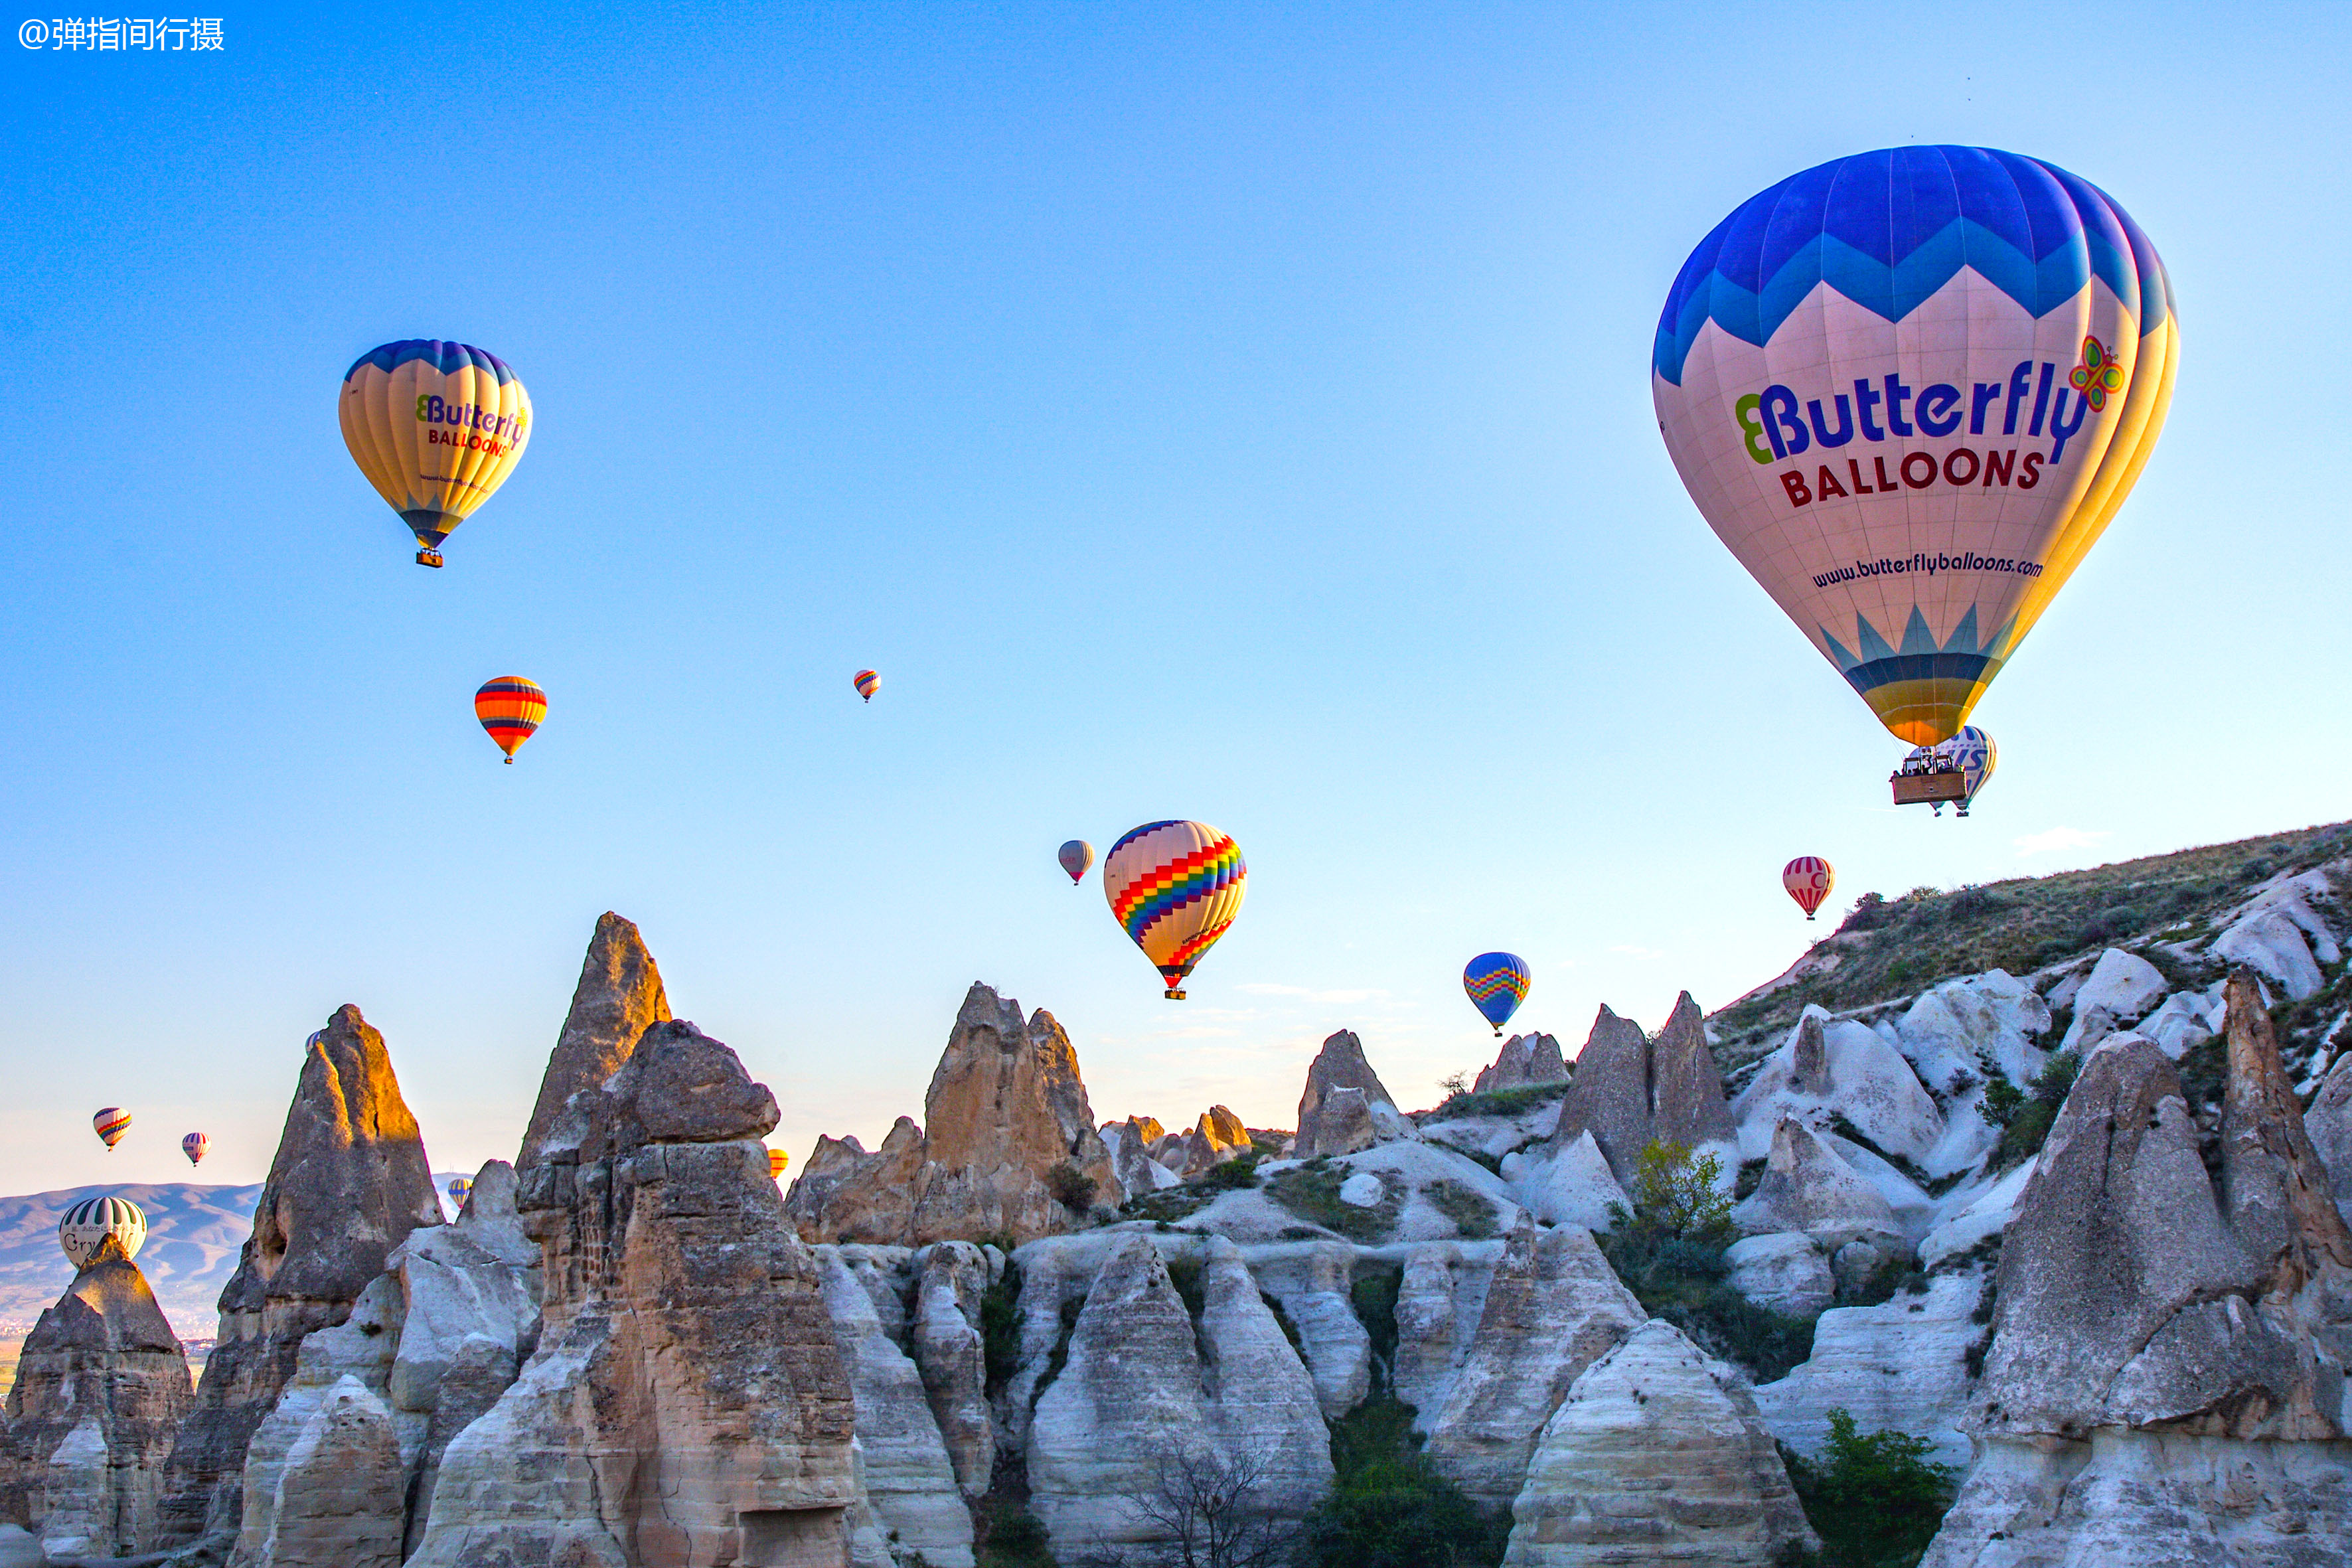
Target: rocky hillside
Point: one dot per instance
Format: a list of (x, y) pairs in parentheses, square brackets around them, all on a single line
[(2186, 914)]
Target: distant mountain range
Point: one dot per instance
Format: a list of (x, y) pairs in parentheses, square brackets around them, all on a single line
[(194, 1236)]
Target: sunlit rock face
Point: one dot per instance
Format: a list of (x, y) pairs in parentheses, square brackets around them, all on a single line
[(1007, 1111), (101, 1371), (348, 1183)]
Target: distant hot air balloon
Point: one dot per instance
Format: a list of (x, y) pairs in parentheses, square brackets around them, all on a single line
[(111, 1124), (867, 683), (1498, 983), (1075, 857), (437, 427), (510, 709), (1173, 887), (460, 1188), (195, 1146), (777, 1161), (1809, 880), (1910, 389), (92, 1220)]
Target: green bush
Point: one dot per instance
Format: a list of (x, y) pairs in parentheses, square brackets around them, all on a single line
[(1389, 1508), (1008, 1535), (1494, 1103), (1231, 1176), (1876, 1502), (1472, 1214), (1000, 1327), (1678, 1194), (1071, 1187), (1680, 1278), (1311, 1192), (2026, 1126)]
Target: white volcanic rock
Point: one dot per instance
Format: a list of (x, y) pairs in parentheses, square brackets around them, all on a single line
[(1657, 1455), (340, 1490), (2306, 901), (945, 1338), (2330, 1123), (1363, 1190), (2122, 987), (1898, 1366), (1787, 1272), (77, 1511), (18, 1549), (1426, 1329), (2149, 1500), (1495, 1135), (1314, 1285), (1553, 1307), (1263, 1404), (1952, 1025), (2272, 944), (1807, 1187), (2186, 1018), (908, 1481), (1134, 1399), (1568, 1185), (1858, 1075), (1970, 1214), (1912, 1209)]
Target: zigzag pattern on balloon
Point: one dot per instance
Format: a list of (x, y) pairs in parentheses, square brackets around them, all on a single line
[(442, 356), (1962, 656), (1501, 982), (1176, 884), (1888, 229)]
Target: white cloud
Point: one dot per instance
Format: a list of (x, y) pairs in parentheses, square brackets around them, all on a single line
[(2052, 840)]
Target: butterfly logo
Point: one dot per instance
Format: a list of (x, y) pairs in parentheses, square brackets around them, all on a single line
[(2097, 374)]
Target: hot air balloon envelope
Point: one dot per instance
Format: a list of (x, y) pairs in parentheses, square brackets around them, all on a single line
[(511, 710), (777, 1161), (92, 1220), (1498, 983), (1910, 389), (1075, 857), (867, 683), (437, 427), (195, 1146), (111, 1124), (1809, 880), (460, 1188), (1174, 887)]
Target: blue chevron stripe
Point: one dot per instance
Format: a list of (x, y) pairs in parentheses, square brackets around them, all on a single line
[(443, 357)]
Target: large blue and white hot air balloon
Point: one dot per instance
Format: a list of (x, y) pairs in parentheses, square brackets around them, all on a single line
[(1910, 389)]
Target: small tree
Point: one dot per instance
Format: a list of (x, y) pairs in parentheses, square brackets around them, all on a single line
[(1876, 1502), (1071, 1187), (1678, 1195), (1455, 1084), (1207, 1509)]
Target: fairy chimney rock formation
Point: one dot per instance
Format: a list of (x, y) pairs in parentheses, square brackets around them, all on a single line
[(1007, 1145), (687, 1403), (2168, 1348), (350, 1181), (618, 998), (103, 1356), (1629, 1089), (1523, 1060), (1339, 1065)]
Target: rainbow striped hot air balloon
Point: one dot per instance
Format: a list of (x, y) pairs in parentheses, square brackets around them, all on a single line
[(867, 683), (81, 1227), (1174, 887), (1498, 983), (195, 1146), (510, 709), (111, 1124), (437, 427), (1809, 880)]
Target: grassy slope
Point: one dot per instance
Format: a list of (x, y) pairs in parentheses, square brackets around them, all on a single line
[(1908, 943)]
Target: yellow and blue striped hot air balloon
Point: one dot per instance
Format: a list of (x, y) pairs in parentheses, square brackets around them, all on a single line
[(1910, 389), (1174, 887), (437, 427), (1496, 982), (81, 1227)]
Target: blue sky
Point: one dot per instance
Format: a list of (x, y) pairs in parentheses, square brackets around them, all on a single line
[(1229, 412)]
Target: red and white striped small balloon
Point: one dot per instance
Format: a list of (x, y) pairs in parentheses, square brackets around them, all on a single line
[(194, 1146), (1809, 880)]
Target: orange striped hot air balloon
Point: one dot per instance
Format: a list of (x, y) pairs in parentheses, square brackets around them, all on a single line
[(111, 1124), (867, 683), (509, 707), (777, 1161)]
